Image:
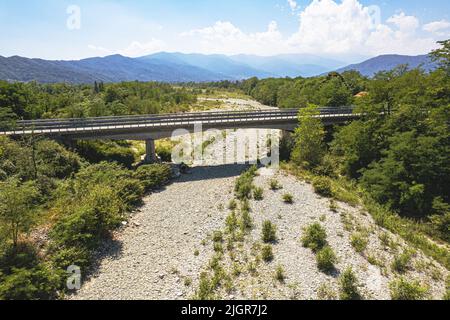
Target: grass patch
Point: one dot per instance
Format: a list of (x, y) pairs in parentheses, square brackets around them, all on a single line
[(359, 242), (279, 274), (269, 232), (402, 262), (258, 194), (275, 185), (267, 253), (314, 237), (349, 286), (402, 289), (326, 258), (288, 198)]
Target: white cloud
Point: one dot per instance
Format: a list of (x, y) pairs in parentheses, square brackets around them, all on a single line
[(440, 28), (224, 37), (134, 49), (404, 23), (293, 4)]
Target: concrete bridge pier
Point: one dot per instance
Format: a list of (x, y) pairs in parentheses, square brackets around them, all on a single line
[(150, 151)]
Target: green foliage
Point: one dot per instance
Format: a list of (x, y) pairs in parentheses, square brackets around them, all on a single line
[(402, 262), (269, 232), (288, 198), (314, 237), (153, 176), (258, 194), (349, 286), (98, 151), (359, 241), (326, 258), (322, 186), (55, 161), (279, 274), (39, 283), (267, 253), (402, 289), (309, 137), (16, 207), (244, 184), (85, 224), (274, 185)]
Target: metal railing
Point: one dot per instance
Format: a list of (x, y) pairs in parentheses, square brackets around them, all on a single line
[(108, 123)]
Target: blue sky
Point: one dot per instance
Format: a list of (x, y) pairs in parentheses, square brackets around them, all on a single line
[(53, 29)]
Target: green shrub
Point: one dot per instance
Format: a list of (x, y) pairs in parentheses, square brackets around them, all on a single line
[(349, 286), (39, 283), (314, 237), (153, 176), (258, 194), (275, 185), (246, 222), (402, 289), (326, 258), (111, 151), (244, 186), (288, 198), (267, 253), (86, 223), (279, 273), (269, 232), (402, 262), (53, 160), (322, 186), (217, 236), (359, 242), (232, 205)]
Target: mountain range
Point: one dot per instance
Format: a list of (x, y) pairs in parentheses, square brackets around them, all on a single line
[(180, 67)]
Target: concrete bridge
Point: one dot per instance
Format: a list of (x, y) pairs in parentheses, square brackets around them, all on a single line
[(153, 127)]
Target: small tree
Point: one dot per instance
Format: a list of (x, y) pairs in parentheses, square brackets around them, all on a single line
[(309, 136), (16, 201), (442, 55)]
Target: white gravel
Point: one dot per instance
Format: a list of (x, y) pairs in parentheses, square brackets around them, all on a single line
[(152, 257)]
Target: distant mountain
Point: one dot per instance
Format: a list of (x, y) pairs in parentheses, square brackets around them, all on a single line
[(290, 65), (388, 62), (218, 64), (180, 67)]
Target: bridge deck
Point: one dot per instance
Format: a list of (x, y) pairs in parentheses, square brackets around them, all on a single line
[(236, 119)]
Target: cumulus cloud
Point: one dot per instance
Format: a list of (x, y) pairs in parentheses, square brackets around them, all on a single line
[(440, 28), (225, 37), (326, 26)]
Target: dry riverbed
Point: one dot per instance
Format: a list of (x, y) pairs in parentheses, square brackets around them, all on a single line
[(166, 245)]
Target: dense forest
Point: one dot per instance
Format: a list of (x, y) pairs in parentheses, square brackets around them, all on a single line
[(58, 202)]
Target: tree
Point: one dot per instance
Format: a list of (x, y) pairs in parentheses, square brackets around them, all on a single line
[(16, 201), (442, 55), (309, 139)]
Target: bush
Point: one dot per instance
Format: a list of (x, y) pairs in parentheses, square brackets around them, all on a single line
[(274, 185), (269, 232), (112, 151), (279, 274), (84, 224), (326, 258), (244, 185), (52, 160), (401, 263), (39, 283), (349, 286), (315, 237), (358, 242), (232, 205), (403, 289), (258, 194), (153, 176), (288, 198), (267, 253), (322, 186)]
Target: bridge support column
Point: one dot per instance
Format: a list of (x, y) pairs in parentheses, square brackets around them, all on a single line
[(150, 151)]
